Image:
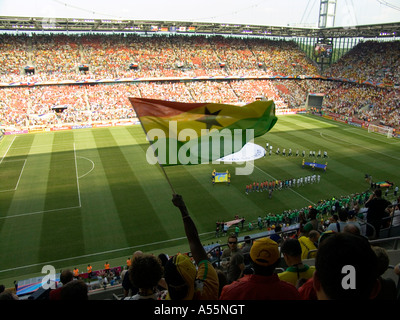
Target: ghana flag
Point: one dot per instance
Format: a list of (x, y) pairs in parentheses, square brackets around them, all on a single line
[(193, 133)]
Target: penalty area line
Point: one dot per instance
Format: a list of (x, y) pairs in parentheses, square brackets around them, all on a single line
[(51, 210)]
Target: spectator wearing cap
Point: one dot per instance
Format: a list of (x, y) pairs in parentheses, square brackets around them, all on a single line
[(264, 284), (297, 270)]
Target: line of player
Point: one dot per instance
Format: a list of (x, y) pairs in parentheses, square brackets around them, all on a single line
[(282, 184), (290, 153)]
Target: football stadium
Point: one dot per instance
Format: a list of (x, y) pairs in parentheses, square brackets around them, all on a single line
[(85, 184)]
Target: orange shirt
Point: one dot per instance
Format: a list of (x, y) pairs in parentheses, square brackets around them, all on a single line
[(89, 269), (107, 265), (76, 272)]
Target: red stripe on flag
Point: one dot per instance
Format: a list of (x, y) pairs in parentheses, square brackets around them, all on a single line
[(160, 108)]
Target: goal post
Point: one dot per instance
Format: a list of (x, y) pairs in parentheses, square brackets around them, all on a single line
[(387, 131)]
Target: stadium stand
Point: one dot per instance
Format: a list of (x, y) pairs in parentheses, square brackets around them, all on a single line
[(165, 60), (169, 67)]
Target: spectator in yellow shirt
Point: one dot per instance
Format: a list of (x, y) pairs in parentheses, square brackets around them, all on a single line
[(308, 244), (297, 270)]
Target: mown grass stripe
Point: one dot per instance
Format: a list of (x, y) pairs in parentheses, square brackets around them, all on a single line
[(24, 231), (103, 224), (150, 177), (137, 217), (61, 232)]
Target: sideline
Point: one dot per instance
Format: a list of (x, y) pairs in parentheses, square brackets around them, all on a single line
[(7, 150), (19, 178)]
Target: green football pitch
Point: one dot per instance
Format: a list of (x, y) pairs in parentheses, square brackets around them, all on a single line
[(84, 196)]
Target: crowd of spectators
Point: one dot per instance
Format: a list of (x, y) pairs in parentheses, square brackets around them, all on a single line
[(274, 267), (35, 105), (369, 61), (58, 57)]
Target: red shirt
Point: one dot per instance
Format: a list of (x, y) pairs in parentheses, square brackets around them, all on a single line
[(55, 294), (307, 291), (256, 287)]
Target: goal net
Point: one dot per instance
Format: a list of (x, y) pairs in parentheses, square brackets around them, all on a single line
[(387, 131)]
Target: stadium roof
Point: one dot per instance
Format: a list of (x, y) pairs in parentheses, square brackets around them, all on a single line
[(34, 24)]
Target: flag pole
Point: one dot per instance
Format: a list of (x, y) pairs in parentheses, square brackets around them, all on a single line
[(158, 161)]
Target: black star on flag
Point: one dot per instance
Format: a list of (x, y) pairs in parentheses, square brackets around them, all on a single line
[(210, 118)]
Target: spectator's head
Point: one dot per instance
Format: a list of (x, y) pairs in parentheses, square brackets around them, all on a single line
[(378, 192), (346, 268), (334, 218), (264, 255), (180, 275), (145, 271), (247, 239), (383, 259), (232, 241), (343, 216), (75, 290), (352, 228), (312, 214), (314, 236), (324, 235), (163, 259), (8, 295), (291, 247), (66, 276), (136, 254), (351, 214)]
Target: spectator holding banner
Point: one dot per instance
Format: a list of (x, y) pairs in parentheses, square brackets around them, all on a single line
[(185, 280)]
